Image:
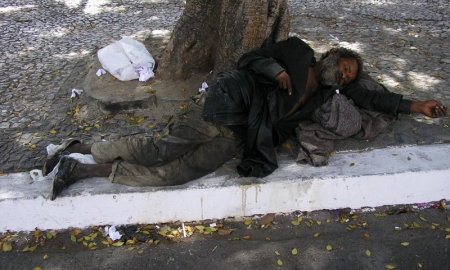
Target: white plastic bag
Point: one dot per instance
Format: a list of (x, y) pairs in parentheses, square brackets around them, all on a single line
[(120, 58)]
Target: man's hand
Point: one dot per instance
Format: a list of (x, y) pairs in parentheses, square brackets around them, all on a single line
[(430, 108), (284, 81)]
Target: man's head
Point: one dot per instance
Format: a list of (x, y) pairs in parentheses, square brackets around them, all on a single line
[(340, 66)]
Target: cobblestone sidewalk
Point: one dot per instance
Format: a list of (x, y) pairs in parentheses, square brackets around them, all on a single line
[(44, 46)]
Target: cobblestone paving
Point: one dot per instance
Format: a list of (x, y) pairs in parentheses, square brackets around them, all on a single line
[(44, 46)]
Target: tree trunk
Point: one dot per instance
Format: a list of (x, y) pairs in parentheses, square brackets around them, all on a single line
[(211, 35)]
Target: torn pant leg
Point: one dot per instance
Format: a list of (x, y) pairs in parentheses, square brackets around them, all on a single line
[(202, 160)]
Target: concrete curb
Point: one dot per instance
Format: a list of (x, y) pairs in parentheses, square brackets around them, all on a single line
[(370, 178)]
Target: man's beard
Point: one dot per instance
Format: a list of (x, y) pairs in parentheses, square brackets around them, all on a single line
[(330, 74)]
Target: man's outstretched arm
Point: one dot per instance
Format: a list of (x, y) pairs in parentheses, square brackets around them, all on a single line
[(389, 102)]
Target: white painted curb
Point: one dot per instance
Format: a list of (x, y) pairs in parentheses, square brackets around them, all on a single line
[(368, 179)]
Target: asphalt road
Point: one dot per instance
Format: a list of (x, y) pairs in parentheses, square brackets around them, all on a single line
[(391, 238)]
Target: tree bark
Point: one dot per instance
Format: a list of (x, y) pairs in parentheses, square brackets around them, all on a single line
[(211, 35)]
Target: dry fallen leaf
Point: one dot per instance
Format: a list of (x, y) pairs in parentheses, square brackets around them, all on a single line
[(266, 219), (295, 222), (390, 266), (224, 232), (405, 244), (286, 145), (366, 235), (6, 247), (368, 253), (118, 244), (329, 247), (248, 222), (316, 234)]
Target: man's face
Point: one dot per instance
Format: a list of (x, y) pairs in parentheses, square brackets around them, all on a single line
[(337, 70), (349, 69)]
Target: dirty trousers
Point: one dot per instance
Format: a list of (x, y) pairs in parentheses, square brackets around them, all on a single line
[(189, 148)]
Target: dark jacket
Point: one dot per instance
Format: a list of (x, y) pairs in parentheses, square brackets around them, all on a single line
[(249, 101)]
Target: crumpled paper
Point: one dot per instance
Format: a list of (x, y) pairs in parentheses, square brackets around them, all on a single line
[(144, 71), (100, 72), (112, 233), (36, 175), (204, 87), (76, 93)]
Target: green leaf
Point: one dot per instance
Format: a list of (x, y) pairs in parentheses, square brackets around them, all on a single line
[(49, 235), (73, 238), (368, 253), (294, 251), (200, 227), (279, 262)]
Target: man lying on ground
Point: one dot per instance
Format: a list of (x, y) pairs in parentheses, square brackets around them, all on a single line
[(254, 108)]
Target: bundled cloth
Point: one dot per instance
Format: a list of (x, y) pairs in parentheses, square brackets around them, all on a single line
[(338, 118)]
